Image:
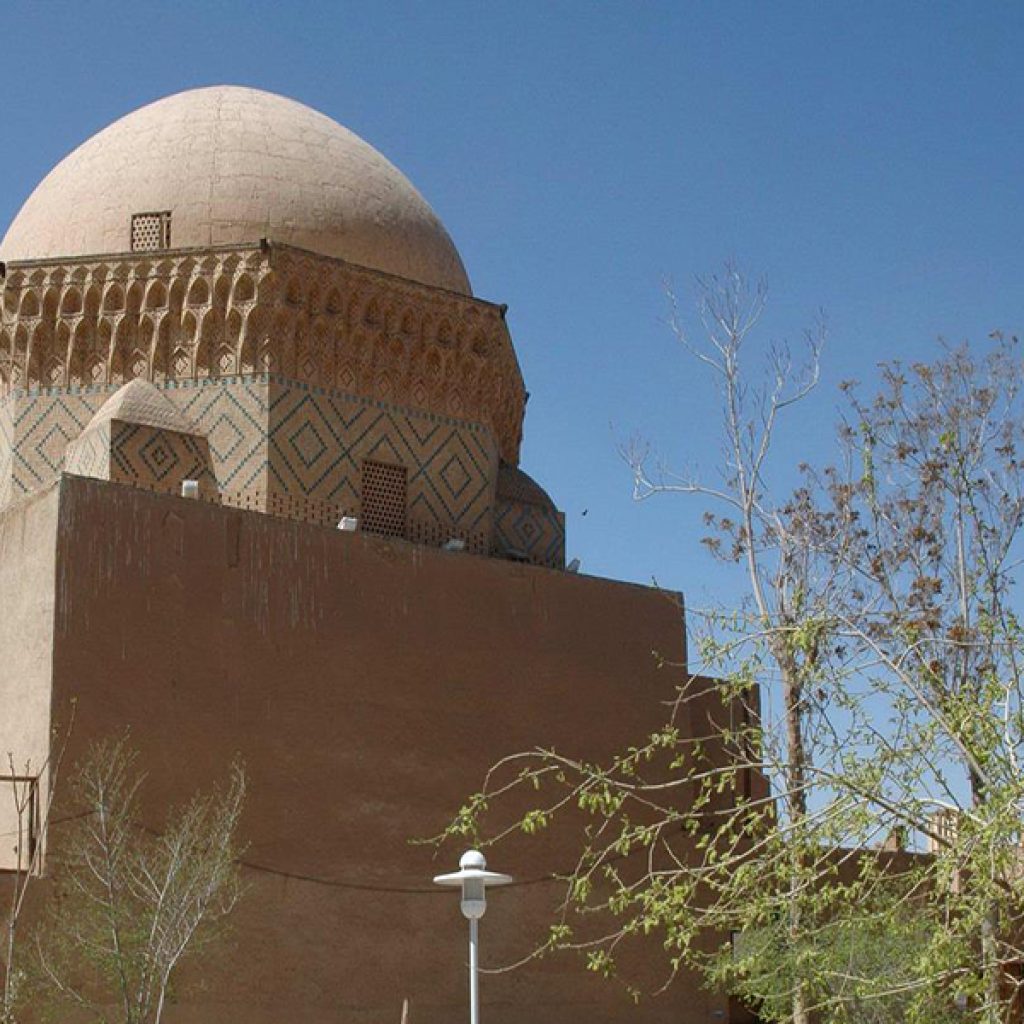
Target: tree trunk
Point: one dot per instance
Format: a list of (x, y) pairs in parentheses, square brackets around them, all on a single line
[(796, 799), (989, 935)]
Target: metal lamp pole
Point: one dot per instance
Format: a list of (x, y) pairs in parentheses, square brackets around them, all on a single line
[(473, 878)]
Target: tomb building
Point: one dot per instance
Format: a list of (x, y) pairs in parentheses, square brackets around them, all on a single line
[(227, 325)]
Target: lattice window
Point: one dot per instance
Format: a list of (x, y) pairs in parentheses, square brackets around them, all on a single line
[(151, 231), (384, 498)]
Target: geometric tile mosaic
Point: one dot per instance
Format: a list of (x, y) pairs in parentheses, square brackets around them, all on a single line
[(534, 532), (289, 448), (160, 459), (143, 456), (232, 410), (319, 439)]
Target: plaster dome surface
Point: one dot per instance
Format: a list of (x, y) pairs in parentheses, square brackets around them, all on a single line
[(234, 165), (143, 403)]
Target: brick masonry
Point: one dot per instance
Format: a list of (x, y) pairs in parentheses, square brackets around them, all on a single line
[(285, 447), (294, 367)]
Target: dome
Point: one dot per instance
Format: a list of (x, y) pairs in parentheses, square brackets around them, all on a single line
[(144, 404), (516, 485), (233, 165)]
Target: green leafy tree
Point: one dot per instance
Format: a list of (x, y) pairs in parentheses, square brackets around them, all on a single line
[(879, 624), (866, 965), (939, 508)]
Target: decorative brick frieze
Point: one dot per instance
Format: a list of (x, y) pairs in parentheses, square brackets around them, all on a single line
[(196, 314), (295, 368)]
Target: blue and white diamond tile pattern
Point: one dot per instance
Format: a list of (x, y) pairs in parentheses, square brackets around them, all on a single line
[(535, 532), (318, 440), (142, 456), (291, 449), (232, 412), (160, 459)]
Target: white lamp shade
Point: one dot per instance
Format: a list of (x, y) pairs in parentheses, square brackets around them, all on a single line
[(473, 877)]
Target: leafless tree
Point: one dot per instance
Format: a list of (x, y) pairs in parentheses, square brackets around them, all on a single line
[(789, 591), (133, 904), (31, 789)]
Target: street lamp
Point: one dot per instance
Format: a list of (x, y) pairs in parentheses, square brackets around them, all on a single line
[(473, 877)]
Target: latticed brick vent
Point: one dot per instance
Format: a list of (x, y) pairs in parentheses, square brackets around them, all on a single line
[(384, 498), (151, 231)]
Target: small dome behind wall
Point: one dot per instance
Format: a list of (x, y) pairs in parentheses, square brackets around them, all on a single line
[(138, 437)]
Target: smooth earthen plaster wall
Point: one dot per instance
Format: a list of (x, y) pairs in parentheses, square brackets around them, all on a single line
[(28, 533), (367, 685)]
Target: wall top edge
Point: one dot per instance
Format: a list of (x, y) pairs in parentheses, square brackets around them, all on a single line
[(128, 256), (71, 487)]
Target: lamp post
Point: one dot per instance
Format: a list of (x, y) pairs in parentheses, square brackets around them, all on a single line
[(473, 877)]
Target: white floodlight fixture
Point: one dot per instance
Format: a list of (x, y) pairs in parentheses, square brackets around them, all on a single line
[(473, 879), (454, 544), (190, 488), (348, 524)]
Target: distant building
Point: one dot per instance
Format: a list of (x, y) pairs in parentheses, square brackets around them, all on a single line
[(229, 296)]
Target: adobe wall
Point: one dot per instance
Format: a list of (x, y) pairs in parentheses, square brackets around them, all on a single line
[(367, 684), (27, 537)]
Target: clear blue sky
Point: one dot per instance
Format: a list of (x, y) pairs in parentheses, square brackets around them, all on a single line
[(867, 157)]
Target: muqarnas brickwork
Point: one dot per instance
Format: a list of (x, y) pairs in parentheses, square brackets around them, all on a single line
[(291, 370)]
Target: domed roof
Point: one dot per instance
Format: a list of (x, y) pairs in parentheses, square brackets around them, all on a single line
[(234, 165), (516, 485), (143, 403)]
